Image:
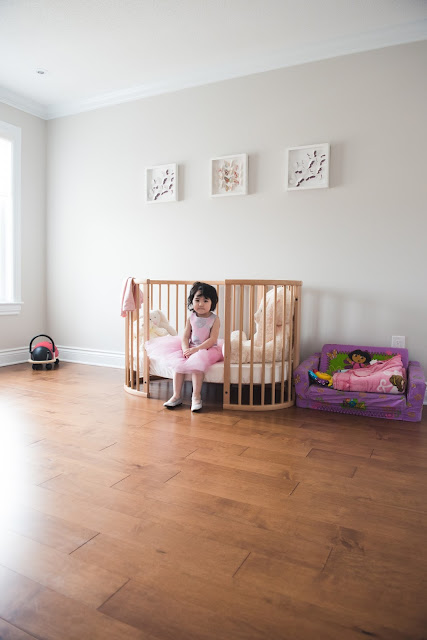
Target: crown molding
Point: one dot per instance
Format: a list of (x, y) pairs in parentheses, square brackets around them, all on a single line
[(23, 104), (369, 41)]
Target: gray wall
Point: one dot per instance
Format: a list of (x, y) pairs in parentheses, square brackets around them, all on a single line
[(16, 331), (359, 246)]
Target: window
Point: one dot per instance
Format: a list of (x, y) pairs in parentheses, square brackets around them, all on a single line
[(10, 217)]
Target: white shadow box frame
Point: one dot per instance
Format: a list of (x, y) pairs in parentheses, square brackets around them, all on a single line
[(308, 167), (161, 183), (229, 175)]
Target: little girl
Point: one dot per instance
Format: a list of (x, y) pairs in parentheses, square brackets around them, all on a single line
[(198, 348)]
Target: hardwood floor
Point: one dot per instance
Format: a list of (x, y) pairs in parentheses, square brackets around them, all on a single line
[(122, 520)]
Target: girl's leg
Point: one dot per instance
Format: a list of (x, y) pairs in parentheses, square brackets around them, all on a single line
[(178, 381), (196, 400), (175, 400), (197, 378)]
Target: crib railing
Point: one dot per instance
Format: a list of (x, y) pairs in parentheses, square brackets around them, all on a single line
[(243, 298), (238, 300), (170, 296)]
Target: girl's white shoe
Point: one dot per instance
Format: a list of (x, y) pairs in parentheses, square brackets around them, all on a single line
[(196, 405), (171, 404)]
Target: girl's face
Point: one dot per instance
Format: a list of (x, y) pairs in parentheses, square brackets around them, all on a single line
[(201, 305)]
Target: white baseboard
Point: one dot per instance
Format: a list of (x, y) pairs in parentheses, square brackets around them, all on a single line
[(68, 354), (91, 356), (13, 356)]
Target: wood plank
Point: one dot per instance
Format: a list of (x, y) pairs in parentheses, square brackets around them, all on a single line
[(174, 621), (10, 632), (48, 615), (156, 548), (228, 508), (398, 493), (298, 468), (349, 509), (15, 591), (77, 510), (63, 573), (234, 484), (48, 530), (237, 435), (238, 462), (67, 454)]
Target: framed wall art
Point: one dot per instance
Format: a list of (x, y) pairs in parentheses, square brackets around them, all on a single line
[(161, 183), (229, 175), (308, 167)]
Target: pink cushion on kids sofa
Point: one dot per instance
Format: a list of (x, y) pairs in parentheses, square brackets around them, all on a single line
[(334, 357)]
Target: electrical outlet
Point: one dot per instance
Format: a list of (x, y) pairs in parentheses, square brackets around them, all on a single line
[(398, 342)]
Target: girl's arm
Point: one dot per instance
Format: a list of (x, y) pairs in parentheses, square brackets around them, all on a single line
[(207, 343), (186, 336)]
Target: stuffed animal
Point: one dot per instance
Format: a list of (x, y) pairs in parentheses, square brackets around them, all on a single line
[(271, 330), (159, 326), (159, 321)]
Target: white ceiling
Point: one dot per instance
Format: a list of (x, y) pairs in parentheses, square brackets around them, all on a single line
[(99, 52)]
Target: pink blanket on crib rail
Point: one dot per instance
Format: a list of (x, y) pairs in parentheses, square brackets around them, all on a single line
[(387, 376)]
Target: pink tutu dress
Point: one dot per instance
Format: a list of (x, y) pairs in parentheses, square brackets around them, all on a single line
[(170, 347)]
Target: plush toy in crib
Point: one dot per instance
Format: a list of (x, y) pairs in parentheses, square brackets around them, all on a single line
[(271, 329), (159, 325)]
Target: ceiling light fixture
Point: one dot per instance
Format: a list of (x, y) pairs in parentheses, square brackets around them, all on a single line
[(41, 72)]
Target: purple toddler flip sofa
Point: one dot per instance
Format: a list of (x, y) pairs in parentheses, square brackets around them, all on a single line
[(405, 402)]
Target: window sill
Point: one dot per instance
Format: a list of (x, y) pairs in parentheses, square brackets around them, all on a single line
[(10, 308)]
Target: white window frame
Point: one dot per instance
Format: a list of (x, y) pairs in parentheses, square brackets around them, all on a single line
[(13, 133)]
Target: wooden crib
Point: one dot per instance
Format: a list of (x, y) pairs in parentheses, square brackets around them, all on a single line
[(257, 372)]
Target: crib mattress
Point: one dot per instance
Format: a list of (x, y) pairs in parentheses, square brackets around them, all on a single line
[(215, 373)]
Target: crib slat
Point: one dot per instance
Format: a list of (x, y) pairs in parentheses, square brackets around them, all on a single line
[(176, 305), (227, 345), (251, 334), (297, 325), (273, 363), (282, 368), (297, 328), (290, 343), (131, 314), (233, 322), (218, 310), (146, 362), (241, 293), (127, 376), (169, 303), (264, 311), (137, 312)]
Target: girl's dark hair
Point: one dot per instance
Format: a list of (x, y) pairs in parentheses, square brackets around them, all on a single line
[(206, 290), (358, 352)]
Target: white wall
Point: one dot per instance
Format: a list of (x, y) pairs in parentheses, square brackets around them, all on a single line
[(16, 331), (359, 246)]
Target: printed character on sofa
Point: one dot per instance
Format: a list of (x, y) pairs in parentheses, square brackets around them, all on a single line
[(399, 396)]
